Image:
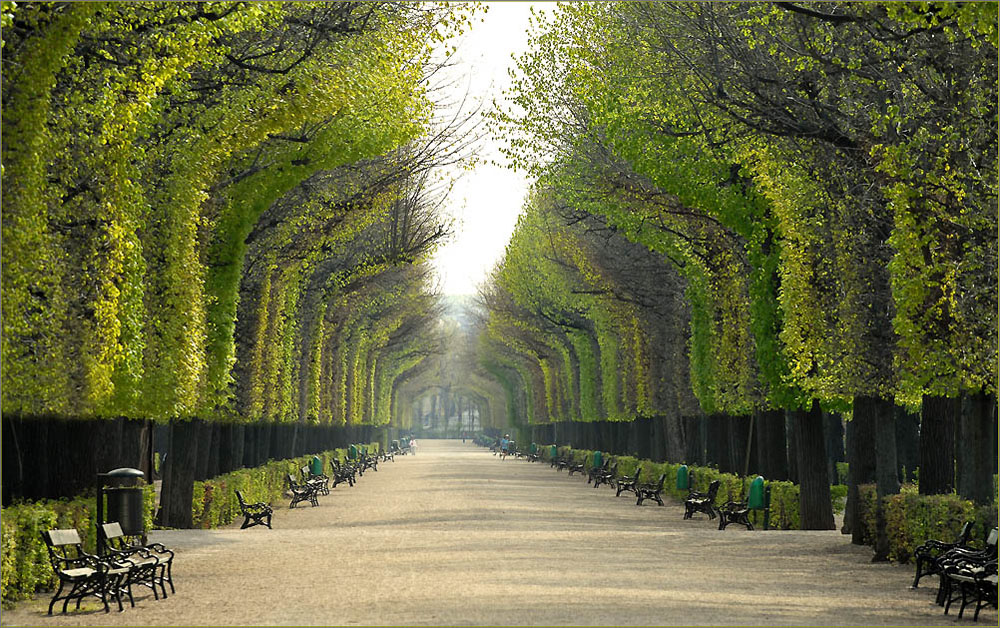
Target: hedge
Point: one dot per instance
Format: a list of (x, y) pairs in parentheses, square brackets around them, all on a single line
[(23, 557), (784, 495), (912, 518), (24, 562)]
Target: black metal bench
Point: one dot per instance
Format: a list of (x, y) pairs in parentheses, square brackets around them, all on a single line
[(628, 484), (593, 471), (702, 502), (925, 555), (254, 514), (320, 482), (651, 491), (606, 476), (302, 492), (86, 574), (144, 567), (969, 575), (342, 473), (577, 467)]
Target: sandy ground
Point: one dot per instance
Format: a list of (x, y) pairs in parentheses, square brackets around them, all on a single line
[(455, 536)]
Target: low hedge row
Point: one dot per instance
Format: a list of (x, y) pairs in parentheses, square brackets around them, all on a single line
[(214, 503), (24, 562), (912, 518), (784, 495)]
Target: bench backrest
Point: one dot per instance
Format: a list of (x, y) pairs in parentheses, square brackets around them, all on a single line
[(243, 502), (713, 490), (659, 484), (63, 546), (635, 476)]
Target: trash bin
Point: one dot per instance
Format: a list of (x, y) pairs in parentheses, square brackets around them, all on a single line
[(755, 496), (683, 482), (352, 452), (316, 467), (125, 504), (533, 449), (554, 452), (598, 459)]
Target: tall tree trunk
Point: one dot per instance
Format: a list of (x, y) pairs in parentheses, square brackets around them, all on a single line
[(717, 440), (978, 464), (886, 468), (907, 443), (771, 446), (815, 508), (792, 432), (204, 439), (860, 470), (674, 437), (178, 481), (833, 432), (938, 416)]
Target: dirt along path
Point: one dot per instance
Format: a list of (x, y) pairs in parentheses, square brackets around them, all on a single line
[(455, 536)]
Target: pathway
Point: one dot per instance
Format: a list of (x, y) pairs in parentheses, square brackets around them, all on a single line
[(454, 536)]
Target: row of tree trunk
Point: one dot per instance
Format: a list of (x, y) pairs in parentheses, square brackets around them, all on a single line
[(51, 458), (953, 442)]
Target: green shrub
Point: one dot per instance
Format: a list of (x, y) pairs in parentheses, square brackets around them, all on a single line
[(912, 518), (784, 512), (24, 558)]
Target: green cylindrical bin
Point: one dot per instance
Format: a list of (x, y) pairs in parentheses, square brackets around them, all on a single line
[(683, 483), (554, 452), (316, 467), (755, 498), (597, 459), (534, 449), (352, 452)]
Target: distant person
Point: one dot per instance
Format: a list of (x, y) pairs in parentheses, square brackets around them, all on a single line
[(504, 445), (413, 446)]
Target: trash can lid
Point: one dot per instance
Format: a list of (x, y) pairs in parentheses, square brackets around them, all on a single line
[(123, 472)]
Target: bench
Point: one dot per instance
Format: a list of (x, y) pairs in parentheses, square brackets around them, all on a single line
[(628, 484), (144, 568), (738, 511), (86, 574), (342, 473), (606, 476), (578, 467), (302, 492), (651, 491), (970, 575), (702, 502), (254, 514), (320, 482), (925, 555), (593, 472)]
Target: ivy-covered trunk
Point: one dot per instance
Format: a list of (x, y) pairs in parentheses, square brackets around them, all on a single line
[(937, 444), (815, 509)]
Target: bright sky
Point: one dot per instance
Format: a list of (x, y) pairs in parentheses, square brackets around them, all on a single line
[(485, 202)]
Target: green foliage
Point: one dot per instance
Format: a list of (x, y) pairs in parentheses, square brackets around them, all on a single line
[(784, 513), (912, 518), (23, 554)]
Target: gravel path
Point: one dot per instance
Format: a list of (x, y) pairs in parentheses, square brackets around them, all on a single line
[(454, 536)]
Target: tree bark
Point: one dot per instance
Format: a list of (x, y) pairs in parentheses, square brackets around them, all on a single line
[(771, 447), (178, 480), (907, 444), (792, 434), (977, 436), (937, 444), (860, 470), (815, 508)]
